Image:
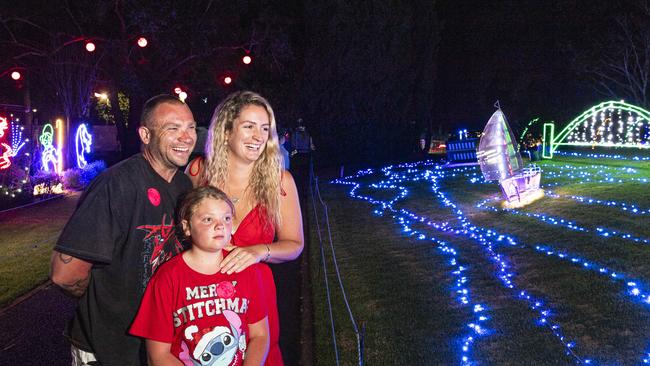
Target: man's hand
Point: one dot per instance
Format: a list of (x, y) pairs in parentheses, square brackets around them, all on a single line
[(70, 273)]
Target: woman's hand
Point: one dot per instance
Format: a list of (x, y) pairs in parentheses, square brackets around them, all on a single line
[(241, 258)]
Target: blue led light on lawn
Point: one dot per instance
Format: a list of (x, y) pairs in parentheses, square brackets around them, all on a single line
[(398, 177), (602, 156), (623, 206), (503, 272), (565, 223)]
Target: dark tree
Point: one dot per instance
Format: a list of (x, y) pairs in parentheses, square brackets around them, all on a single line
[(369, 76), (617, 62), (190, 44)]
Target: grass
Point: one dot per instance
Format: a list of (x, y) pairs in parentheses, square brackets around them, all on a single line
[(28, 236), (402, 290)]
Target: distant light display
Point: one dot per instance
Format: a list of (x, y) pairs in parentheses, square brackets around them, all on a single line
[(3, 126), (49, 155), (43, 188), (60, 143), (15, 168), (528, 126), (609, 124), (83, 141), (17, 141), (7, 154)]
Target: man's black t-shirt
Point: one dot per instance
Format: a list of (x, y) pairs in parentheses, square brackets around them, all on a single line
[(124, 224)]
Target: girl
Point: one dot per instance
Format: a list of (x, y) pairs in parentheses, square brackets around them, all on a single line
[(191, 313)]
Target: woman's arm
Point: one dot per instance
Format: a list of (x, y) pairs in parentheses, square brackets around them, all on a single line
[(290, 236), (290, 233), (159, 354), (258, 343)]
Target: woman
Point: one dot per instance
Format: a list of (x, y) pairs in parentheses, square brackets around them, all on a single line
[(243, 159)]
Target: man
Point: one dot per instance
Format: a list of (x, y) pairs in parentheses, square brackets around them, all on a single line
[(301, 155), (301, 141), (121, 231), (283, 150)]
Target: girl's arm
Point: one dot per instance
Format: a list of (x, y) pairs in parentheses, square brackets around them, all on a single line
[(290, 235), (159, 354), (258, 343)]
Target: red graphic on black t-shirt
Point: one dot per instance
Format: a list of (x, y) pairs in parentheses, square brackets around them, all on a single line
[(154, 196), (160, 245)]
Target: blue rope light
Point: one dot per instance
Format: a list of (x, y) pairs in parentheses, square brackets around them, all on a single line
[(490, 239), (601, 156)]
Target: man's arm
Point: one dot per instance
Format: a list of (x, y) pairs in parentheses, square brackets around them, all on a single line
[(70, 273)]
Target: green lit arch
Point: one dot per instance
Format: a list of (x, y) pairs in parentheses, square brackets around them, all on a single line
[(551, 142), (528, 127)]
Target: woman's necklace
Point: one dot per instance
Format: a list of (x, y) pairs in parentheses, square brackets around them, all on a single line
[(237, 199)]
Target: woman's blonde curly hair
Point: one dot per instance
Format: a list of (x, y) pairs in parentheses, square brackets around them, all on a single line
[(264, 182)]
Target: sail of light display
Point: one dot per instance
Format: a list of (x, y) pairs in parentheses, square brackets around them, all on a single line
[(499, 159)]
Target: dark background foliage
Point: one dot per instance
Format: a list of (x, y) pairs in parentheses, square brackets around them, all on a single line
[(366, 77)]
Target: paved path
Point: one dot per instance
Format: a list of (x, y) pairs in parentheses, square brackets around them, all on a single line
[(31, 328)]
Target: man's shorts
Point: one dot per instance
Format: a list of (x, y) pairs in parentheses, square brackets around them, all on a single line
[(82, 358)]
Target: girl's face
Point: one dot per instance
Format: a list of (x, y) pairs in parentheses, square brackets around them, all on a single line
[(210, 225), (250, 132)]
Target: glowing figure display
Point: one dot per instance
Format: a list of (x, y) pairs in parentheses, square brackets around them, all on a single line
[(499, 159), (49, 154), (3, 126), (83, 141), (17, 141), (8, 153)]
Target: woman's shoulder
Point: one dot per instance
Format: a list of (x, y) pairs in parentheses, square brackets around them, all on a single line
[(195, 169), (287, 183)]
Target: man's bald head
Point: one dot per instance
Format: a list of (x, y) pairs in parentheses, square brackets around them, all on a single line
[(151, 105)]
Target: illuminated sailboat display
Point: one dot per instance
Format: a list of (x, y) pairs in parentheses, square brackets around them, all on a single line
[(499, 159)]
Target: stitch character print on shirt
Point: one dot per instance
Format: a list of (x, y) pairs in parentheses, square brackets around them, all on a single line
[(217, 346)]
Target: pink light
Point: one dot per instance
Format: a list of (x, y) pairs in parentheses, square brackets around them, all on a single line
[(247, 59), (177, 90), (15, 75), (3, 126), (6, 155), (142, 42), (90, 47), (227, 80)]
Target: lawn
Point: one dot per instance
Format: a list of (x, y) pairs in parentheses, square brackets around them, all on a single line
[(27, 236), (439, 273)]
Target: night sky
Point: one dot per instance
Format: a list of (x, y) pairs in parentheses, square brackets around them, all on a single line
[(367, 77)]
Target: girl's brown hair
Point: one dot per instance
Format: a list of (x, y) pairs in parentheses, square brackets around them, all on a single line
[(191, 200)]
